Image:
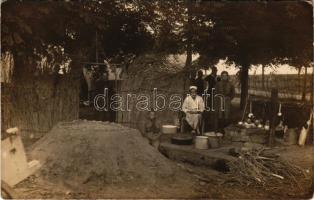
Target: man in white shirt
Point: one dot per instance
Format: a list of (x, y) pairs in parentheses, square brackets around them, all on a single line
[(193, 106)]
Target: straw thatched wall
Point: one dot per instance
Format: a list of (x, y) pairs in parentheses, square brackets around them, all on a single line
[(39, 103), (146, 73)]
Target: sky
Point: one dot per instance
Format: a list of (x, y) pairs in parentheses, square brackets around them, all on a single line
[(257, 69)]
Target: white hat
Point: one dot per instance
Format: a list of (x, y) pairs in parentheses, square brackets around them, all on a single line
[(193, 87)]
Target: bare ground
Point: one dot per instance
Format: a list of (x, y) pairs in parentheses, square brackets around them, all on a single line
[(89, 159)]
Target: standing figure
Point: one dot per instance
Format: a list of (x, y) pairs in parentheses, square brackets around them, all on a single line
[(225, 89), (209, 115), (89, 78), (211, 80), (199, 83)]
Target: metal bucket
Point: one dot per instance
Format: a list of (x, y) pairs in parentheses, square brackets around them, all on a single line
[(201, 142), (214, 139)]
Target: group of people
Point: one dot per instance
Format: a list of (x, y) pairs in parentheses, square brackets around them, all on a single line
[(195, 117), (218, 116)]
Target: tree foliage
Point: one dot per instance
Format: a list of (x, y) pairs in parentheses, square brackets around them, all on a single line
[(244, 32), (29, 26), (254, 32)]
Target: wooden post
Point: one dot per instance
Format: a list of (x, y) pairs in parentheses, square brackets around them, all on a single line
[(299, 80), (273, 114), (244, 79), (263, 77), (96, 46), (188, 61), (312, 99), (304, 84), (312, 85)]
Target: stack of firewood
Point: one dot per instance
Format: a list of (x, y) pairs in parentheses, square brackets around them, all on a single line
[(259, 167)]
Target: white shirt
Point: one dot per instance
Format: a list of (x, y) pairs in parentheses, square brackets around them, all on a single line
[(191, 104)]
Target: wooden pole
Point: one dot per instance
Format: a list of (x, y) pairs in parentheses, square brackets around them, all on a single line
[(188, 61), (312, 85), (244, 79), (116, 89), (312, 100), (263, 77), (273, 115), (299, 80), (96, 46), (304, 84)]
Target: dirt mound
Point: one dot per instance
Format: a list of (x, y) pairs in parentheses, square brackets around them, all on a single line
[(83, 153)]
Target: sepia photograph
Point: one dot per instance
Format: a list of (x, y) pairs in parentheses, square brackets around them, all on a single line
[(157, 99)]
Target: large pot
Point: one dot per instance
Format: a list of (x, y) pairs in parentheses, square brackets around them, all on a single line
[(182, 139)]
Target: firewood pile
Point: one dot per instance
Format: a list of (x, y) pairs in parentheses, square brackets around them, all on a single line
[(262, 168)]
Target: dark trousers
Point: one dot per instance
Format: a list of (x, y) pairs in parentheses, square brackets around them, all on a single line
[(209, 120)]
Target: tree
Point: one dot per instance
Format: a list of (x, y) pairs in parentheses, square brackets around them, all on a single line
[(29, 27), (246, 33), (58, 31), (251, 33)]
